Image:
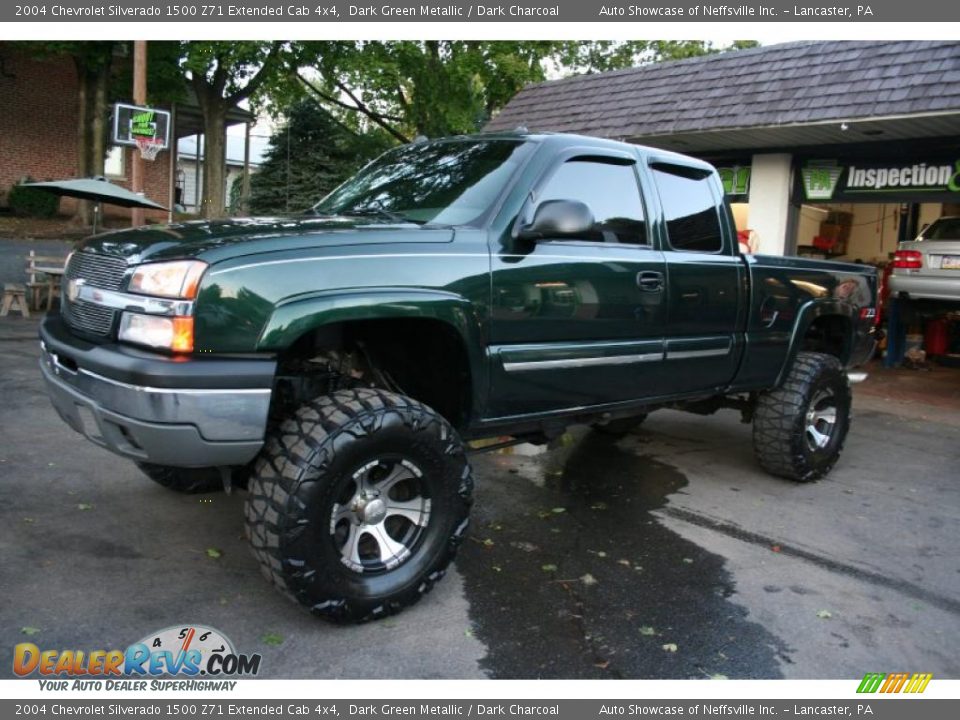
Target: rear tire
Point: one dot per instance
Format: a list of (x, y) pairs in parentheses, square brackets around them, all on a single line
[(358, 503), (799, 428), (189, 481)]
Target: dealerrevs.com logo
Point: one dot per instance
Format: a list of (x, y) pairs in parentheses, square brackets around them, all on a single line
[(195, 656)]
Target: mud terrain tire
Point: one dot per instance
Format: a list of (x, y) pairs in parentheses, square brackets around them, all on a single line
[(799, 428), (358, 503)]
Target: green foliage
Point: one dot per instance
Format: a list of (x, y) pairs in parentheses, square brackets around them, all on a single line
[(411, 88), (166, 83), (165, 80), (232, 71), (438, 88), (91, 54), (28, 202), (308, 157), (233, 197), (606, 55)]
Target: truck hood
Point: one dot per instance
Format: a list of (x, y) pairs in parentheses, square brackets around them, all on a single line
[(217, 240)]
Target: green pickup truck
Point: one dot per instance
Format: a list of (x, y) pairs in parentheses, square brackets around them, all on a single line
[(491, 286)]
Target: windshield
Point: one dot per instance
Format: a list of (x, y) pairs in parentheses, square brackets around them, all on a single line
[(943, 229), (445, 183)]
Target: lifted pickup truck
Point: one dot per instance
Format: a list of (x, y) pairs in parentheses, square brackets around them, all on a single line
[(473, 287)]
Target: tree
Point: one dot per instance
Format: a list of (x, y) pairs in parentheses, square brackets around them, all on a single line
[(223, 75), (310, 155), (438, 88), (606, 55), (410, 88)]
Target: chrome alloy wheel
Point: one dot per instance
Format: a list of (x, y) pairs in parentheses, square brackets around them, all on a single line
[(821, 420), (381, 516)]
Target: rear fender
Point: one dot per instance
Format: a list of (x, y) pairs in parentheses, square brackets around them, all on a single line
[(807, 315)]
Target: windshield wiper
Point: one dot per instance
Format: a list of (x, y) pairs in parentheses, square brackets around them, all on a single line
[(378, 209)]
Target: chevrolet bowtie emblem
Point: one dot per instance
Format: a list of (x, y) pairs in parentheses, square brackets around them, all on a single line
[(73, 289)]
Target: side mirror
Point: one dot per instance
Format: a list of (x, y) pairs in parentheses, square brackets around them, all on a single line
[(558, 217)]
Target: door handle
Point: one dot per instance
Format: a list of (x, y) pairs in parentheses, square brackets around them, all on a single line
[(650, 280), (768, 315)]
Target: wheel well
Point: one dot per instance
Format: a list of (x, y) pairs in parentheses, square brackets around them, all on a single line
[(422, 358), (829, 334)]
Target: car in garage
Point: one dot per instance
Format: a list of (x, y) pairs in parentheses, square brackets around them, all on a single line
[(927, 269)]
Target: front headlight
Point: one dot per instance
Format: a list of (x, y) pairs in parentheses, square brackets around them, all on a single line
[(168, 333), (179, 279)]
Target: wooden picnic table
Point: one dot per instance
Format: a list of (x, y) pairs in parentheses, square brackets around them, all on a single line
[(50, 269), (55, 275)]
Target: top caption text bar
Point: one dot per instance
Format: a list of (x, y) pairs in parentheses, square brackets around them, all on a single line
[(329, 11)]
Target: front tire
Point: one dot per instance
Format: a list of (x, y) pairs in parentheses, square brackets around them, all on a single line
[(358, 503), (799, 428)]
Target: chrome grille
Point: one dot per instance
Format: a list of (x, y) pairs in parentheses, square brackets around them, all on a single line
[(99, 271), (87, 317)]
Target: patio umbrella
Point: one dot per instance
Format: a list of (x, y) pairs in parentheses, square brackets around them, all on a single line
[(97, 189)]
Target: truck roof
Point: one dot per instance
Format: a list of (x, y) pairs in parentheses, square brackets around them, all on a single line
[(561, 140)]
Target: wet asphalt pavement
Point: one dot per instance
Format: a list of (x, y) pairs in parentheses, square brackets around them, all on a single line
[(570, 575), (663, 554)]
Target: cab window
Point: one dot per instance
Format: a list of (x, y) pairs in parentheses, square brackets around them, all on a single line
[(689, 209), (610, 191)]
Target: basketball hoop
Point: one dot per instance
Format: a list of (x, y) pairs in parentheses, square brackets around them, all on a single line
[(149, 146), (147, 128)]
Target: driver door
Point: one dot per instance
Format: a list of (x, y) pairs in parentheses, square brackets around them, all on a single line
[(578, 321)]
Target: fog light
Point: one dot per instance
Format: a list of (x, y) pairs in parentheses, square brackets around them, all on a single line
[(169, 333)]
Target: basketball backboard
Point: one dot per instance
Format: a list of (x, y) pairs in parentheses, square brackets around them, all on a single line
[(132, 121)]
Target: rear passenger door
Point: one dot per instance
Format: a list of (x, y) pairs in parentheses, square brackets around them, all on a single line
[(705, 279)]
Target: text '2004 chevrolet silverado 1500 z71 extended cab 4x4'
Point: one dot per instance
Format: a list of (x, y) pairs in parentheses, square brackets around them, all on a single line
[(473, 287)]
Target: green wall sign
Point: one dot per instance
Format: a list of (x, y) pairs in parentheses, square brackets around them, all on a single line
[(736, 181), (928, 180)]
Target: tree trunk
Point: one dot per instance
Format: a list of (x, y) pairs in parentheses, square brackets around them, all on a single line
[(84, 212), (93, 79), (98, 126), (213, 204), (210, 89)]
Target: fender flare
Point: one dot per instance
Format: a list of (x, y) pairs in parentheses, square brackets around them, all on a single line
[(810, 312), (294, 317)]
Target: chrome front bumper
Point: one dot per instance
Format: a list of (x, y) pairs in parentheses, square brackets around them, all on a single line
[(168, 426)]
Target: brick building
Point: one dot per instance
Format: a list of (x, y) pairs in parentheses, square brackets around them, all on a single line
[(39, 129)]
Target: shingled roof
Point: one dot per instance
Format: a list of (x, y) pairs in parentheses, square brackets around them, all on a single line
[(778, 85)]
